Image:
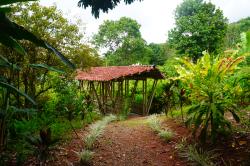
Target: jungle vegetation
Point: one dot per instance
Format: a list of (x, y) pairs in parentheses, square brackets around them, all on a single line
[(205, 61)]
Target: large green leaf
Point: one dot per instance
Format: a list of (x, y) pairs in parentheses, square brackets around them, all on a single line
[(8, 2), (6, 64), (44, 66), (17, 32), (12, 43), (15, 90)]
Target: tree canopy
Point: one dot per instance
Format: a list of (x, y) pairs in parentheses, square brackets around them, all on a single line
[(103, 5), (199, 27), (122, 44), (49, 24), (113, 34)]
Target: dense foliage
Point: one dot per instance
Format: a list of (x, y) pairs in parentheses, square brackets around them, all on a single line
[(199, 26), (41, 102), (122, 44), (101, 5), (212, 90), (33, 75), (233, 35)]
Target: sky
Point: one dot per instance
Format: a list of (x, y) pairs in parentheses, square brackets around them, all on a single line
[(156, 17)]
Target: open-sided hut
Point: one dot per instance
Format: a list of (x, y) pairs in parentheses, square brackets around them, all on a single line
[(112, 86)]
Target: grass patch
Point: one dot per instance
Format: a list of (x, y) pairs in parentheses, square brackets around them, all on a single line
[(96, 130), (155, 124), (85, 156), (167, 135)]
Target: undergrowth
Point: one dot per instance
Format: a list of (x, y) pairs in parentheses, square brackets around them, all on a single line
[(95, 131), (85, 156), (155, 124), (195, 154), (167, 135)]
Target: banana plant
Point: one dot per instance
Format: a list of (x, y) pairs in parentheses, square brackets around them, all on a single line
[(10, 34), (211, 93)]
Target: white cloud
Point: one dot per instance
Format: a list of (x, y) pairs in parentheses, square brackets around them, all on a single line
[(155, 16)]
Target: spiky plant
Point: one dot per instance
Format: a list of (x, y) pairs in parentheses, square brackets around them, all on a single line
[(167, 135), (96, 130), (85, 157), (198, 156), (154, 123), (212, 95)]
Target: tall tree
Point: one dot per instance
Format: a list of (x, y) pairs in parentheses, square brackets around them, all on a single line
[(49, 24), (112, 34), (200, 26), (122, 42), (160, 53)]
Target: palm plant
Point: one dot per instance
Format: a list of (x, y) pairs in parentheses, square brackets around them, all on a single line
[(210, 92)]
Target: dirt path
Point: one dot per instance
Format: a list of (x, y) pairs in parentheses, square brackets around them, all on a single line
[(133, 143), (124, 143)]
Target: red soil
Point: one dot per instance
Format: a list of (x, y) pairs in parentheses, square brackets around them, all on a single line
[(133, 143)]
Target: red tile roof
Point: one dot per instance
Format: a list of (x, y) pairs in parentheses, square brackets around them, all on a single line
[(116, 72)]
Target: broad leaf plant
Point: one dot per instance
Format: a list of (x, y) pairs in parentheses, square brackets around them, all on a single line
[(211, 93)]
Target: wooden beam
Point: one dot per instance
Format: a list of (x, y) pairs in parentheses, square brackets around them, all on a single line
[(144, 97), (152, 96), (96, 95)]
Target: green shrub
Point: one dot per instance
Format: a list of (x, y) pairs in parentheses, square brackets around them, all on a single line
[(197, 156), (94, 133), (154, 123), (211, 92), (167, 135), (61, 127), (85, 157), (96, 130)]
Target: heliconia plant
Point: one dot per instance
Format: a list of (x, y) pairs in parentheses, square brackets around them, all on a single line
[(209, 90)]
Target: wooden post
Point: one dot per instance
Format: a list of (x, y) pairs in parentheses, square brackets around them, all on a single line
[(152, 96), (96, 95), (144, 96), (126, 88)]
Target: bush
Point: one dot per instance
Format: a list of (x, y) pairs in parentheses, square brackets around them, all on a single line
[(167, 135), (154, 123), (96, 130), (85, 157), (198, 156), (211, 93)]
